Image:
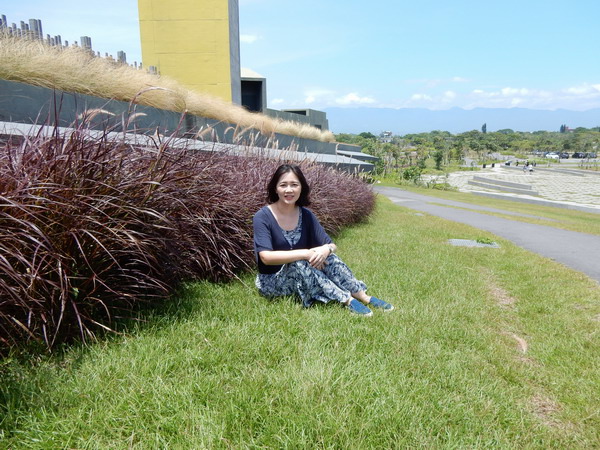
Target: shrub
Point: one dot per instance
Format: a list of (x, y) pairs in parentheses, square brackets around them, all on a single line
[(90, 226), (412, 173)]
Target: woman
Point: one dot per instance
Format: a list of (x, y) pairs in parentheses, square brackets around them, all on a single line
[(295, 255)]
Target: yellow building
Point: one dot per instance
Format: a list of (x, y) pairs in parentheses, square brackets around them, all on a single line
[(195, 42)]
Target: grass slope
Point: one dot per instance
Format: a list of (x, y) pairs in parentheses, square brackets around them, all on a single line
[(486, 348)]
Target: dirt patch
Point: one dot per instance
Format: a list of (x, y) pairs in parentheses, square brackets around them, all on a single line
[(498, 293), (502, 297), (521, 343), (546, 410)]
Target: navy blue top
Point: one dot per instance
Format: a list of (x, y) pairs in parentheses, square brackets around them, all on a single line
[(268, 235)]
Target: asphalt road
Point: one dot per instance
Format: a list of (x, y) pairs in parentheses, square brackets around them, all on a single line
[(576, 250)]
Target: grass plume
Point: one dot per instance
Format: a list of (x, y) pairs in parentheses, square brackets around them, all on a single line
[(74, 69)]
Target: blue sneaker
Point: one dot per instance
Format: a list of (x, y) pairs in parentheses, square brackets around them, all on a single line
[(378, 303), (357, 307)]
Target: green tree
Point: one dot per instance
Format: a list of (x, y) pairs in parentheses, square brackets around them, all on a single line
[(367, 135), (438, 157)]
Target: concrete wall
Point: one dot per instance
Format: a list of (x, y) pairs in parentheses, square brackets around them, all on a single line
[(310, 117), (234, 51), (195, 42), (23, 103), (316, 118)]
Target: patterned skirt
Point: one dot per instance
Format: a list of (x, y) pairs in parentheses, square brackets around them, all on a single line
[(335, 282)]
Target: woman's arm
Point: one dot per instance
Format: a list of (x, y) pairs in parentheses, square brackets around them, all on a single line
[(316, 256), (278, 257)]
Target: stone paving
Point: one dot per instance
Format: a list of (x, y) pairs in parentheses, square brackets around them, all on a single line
[(573, 186)]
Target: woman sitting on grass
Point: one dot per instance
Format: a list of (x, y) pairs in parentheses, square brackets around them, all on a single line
[(295, 255)]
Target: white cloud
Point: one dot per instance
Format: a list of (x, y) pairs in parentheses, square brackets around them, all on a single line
[(507, 97), (249, 38), (434, 95), (354, 99), (320, 95), (581, 97), (418, 97), (277, 101), (522, 92), (584, 89)]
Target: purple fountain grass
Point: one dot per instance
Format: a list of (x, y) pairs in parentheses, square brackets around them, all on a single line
[(91, 226)]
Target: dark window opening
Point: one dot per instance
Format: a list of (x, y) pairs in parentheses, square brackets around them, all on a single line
[(252, 95)]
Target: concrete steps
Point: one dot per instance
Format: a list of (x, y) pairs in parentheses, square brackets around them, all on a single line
[(503, 186)]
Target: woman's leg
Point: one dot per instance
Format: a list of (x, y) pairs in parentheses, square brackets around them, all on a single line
[(362, 297), (340, 274), (314, 285)]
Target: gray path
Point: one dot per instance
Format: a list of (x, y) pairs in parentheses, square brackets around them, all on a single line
[(579, 251)]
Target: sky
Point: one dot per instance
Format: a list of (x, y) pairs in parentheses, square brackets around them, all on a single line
[(434, 54)]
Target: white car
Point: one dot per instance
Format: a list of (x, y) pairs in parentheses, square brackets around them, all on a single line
[(552, 155)]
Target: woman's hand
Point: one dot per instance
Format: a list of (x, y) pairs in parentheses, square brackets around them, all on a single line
[(317, 256)]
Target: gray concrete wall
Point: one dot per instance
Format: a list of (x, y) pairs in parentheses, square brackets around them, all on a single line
[(24, 103), (313, 117), (234, 51), (16, 132), (349, 147)]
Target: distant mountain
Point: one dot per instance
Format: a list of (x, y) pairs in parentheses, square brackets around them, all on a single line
[(455, 120)]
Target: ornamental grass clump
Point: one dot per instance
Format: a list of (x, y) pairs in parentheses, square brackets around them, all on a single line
[(74, 69), (92, 226)]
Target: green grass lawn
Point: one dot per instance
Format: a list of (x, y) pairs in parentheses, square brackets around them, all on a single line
[(486, 348)]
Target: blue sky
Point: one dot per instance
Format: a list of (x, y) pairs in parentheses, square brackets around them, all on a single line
[(434, 54)]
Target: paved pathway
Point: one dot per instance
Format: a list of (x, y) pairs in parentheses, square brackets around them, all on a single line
[(563, 186), (579, 251)]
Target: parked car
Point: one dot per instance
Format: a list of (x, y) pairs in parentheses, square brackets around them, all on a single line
[(591, 155), (552, 156), (563, 155), (579, 155)]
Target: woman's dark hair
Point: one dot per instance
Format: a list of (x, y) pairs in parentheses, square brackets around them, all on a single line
[(272, 196)]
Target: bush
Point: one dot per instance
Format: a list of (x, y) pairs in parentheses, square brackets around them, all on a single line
[(90, 226), (412, 173)]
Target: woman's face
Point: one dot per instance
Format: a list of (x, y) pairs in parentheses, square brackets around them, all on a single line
[(289, 188)]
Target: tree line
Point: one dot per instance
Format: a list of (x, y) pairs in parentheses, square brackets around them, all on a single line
[(445, 147)]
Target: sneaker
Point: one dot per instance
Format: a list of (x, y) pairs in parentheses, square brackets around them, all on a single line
[(378, 303), (357, 307)]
